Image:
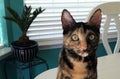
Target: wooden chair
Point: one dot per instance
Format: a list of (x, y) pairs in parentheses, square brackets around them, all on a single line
[(109, 65)]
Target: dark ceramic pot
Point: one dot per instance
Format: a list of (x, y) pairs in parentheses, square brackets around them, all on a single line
[(24, 53)]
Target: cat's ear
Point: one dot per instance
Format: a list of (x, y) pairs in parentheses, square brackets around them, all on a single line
[(67, 19), (95, 19)]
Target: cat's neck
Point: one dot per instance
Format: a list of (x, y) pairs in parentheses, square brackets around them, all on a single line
[(77, 57)]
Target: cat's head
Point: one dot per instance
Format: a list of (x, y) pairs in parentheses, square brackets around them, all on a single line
[(80, 37)]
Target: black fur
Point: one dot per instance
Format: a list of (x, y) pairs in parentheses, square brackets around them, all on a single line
[(64, 58)]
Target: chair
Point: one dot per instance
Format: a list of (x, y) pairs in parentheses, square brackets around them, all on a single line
[(108, 66), (112, 11)]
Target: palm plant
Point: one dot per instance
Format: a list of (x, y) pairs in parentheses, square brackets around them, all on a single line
[(24, 21)]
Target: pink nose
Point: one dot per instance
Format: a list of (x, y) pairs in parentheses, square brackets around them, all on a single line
[(83, 46)]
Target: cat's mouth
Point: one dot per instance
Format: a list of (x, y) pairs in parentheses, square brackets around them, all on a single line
[(82, 53)]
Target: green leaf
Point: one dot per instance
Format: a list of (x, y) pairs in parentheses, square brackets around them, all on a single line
[(9, 18), (13, 13), (24, 21)]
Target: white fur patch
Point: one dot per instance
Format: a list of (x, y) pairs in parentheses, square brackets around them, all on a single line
[(85, 54)]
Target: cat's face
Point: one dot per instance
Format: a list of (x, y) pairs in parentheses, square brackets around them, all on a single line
[(82, 38)]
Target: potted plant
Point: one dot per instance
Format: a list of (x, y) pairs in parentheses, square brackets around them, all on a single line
[(24, 49)]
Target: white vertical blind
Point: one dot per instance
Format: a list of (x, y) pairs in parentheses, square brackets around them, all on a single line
[(1, 23), (1, 33), (46, 28), (1, 38)]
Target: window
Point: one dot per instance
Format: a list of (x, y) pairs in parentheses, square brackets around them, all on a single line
[(1, 28), (1, 39), (47, 29)]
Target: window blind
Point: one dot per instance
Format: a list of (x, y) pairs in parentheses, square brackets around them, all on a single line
[(1, 41), (1, 31), (46, 28)]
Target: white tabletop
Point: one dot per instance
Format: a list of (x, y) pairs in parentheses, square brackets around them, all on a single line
[(108, 68)]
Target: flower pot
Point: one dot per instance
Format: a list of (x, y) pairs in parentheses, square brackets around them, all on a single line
[(24, 53)]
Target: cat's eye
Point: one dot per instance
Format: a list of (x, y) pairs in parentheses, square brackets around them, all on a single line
[(92, 37), (75, 37)]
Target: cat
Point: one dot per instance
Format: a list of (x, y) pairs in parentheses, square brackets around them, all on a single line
[(77, 59)]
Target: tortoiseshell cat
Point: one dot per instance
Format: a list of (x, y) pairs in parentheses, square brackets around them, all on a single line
[(78, 56)]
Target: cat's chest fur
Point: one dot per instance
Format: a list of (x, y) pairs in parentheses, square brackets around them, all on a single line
[(79, 70), (74, 67)]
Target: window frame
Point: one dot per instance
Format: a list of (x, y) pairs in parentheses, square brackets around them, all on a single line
[(4, 41)]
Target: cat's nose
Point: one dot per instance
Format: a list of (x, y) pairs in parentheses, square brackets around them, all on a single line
[(83, 46)]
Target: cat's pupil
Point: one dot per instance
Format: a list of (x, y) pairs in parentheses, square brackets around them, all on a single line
[(75, 37)]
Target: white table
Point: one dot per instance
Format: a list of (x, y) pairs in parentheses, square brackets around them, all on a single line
[(108, 68)]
